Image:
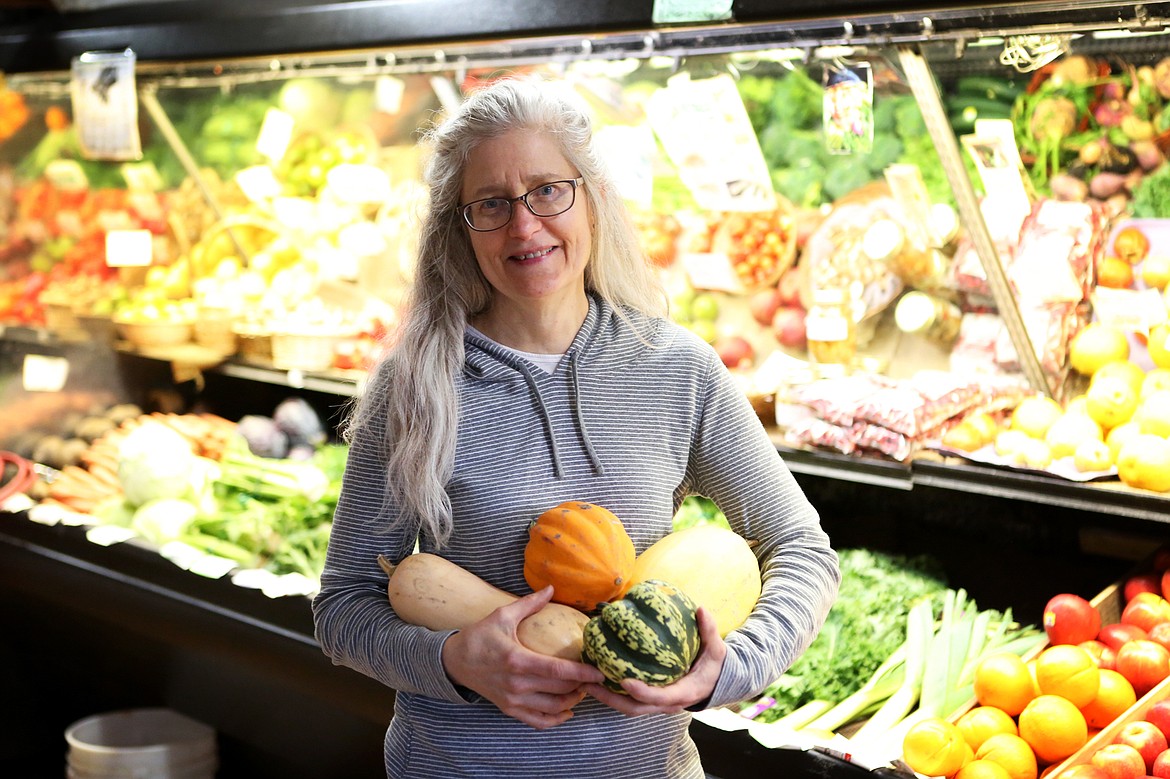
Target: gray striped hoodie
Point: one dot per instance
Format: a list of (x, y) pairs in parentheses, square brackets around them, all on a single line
[(632, 424)]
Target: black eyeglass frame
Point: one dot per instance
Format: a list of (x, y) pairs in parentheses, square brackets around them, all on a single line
[(511, 201)]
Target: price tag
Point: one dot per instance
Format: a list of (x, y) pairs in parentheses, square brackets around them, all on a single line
[(711, 270), (129, 248), (66, 175), (275, 134), (44, 373), (705, 130), (258, 183), (105, 105), (629, 153), (142, 177), (1132, 310), (388, 92), (678, 11)]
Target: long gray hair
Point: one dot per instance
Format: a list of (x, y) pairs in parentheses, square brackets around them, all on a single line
[(413, 388)]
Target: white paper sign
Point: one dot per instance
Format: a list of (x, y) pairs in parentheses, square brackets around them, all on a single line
[(711, 270), (388, 92), (258, 183), (629, 153), (129, 248), (44, 373), (705, 130), (275, 134)]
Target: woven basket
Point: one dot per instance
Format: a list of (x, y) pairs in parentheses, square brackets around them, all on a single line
[(214, 330), (151, 334), (253, 343), (305, 351)]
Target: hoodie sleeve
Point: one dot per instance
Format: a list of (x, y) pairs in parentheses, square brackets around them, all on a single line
[(355, 625), (734, 463)]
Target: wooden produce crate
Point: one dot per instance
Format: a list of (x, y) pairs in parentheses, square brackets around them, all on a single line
[(1108, 733)]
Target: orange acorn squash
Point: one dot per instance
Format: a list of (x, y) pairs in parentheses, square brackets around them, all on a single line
[(583, 551)]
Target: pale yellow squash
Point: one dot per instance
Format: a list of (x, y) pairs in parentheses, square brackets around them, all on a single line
[(713, 565)]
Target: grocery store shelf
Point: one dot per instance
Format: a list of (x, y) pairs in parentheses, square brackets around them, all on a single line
[(343, 383), (1104, 497)]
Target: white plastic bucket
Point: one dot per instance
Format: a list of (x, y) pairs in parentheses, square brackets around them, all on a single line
[(141, 744)]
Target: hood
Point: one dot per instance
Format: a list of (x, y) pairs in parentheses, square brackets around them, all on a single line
[(604, 344)]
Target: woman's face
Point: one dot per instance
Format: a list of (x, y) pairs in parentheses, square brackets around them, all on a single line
[(531, 259)]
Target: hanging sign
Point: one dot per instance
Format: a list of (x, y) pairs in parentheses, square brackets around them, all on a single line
[(105, 105), (705, 130)]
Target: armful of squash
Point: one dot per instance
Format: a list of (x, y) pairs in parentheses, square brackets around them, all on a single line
[(432, 592)]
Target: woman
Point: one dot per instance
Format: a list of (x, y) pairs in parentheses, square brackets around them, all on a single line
[(533, 366)]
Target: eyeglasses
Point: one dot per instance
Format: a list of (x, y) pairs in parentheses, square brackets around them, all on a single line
[(549, 199)]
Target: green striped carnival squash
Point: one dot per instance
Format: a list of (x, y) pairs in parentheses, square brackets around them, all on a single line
[(651, 634)]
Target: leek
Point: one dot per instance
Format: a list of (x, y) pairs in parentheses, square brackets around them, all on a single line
[(919, 629), (885, 681), (802, 716)]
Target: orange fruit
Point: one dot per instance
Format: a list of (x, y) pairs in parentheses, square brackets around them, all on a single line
[(935, 747), (1011, 752), (983, 769), (1095, 345), (1155, 271), (1114, 272), (1068, 671), (964, 437), (1119, 435), (1002, 680), (1111, 400), (1133, 373), (1158, 345), (1131, 245), (983, 722), (1053, 727), (1114, 695)]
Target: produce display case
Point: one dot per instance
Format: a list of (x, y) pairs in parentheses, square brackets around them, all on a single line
[(205, 89)]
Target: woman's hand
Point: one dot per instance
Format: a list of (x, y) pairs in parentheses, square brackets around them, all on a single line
[(696, 686), (536, 689)]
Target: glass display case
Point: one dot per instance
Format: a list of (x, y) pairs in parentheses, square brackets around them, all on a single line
[(891, 225)]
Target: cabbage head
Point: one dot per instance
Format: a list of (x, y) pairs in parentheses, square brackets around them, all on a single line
[(155, 462), (163, 520)]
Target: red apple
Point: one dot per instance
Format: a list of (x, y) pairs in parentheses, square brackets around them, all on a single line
[(1161, 767), (788, 325), (1079, 771), (1159, 715), (735, 351), (1160, 634), (1070, 619), (1146, 610), (1144, 663), (789, 288), (1120, 761), (763, 305), (1145, 582), (1103, 655), (1118, 633), (1145, 738)]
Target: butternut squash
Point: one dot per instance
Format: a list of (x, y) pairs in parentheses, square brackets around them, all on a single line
[(432, 592)]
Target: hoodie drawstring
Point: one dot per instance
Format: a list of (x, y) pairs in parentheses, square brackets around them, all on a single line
[(598, 468), (558, 471)]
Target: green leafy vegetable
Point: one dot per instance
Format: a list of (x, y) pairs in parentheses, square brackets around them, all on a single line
[(864, 627)]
